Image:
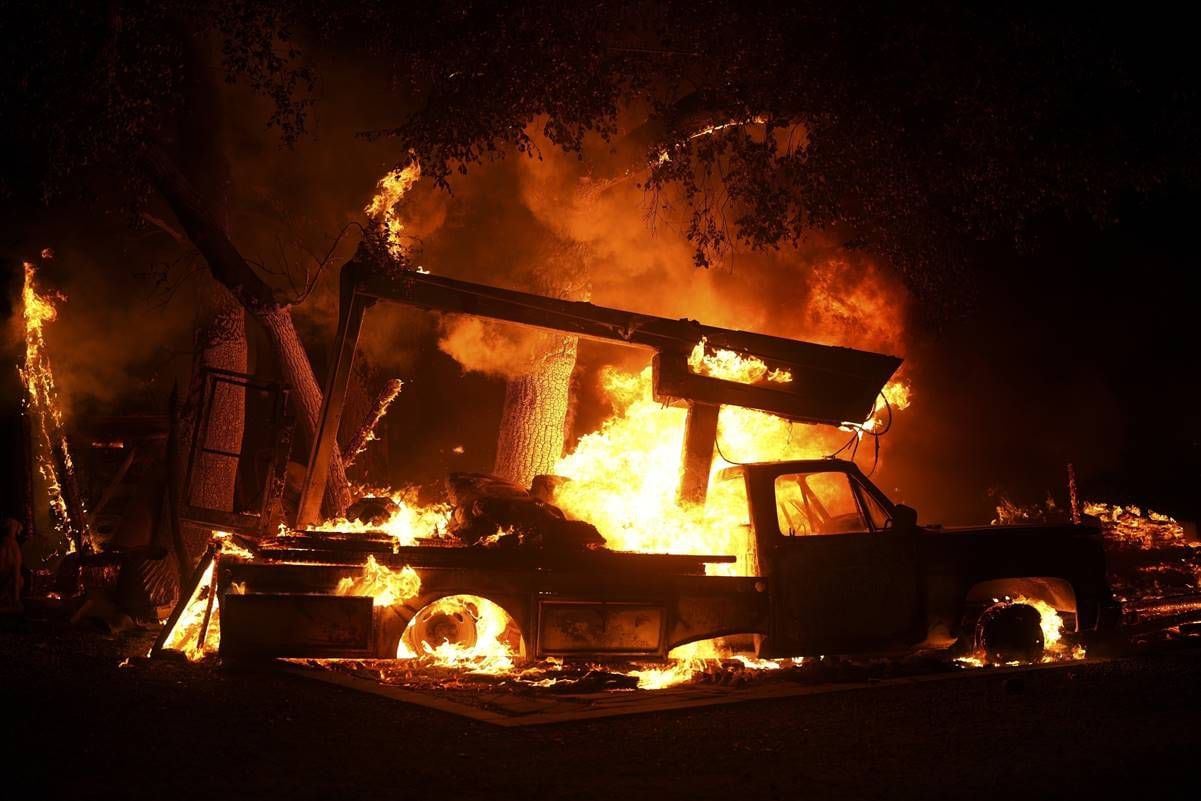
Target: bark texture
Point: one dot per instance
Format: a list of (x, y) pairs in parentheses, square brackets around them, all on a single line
[(230, 268), (220, 345), (533, 423), (298, 372)]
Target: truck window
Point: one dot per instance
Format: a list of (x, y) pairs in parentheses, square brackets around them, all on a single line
[(817, 503), (876, 513)]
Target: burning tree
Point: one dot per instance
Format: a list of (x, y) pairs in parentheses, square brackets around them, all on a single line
[(764, 127)]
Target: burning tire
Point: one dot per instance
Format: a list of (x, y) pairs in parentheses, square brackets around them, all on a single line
[(441, 623), (459, 629), (1010, 632)]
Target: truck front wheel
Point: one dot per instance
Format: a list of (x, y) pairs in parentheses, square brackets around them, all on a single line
[(1008, 633)]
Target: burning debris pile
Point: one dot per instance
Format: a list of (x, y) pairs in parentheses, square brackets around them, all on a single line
[(1150, 554)]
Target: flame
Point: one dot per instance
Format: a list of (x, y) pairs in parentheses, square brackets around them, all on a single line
[(383, 207), (185, 635), (626, 475), (1130, 524), (409, 523), (896, 395), (43, 405), (385, 586), (733, 366), (493, 649)]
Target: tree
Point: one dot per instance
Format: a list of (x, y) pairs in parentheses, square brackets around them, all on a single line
[(103, 89), (905, 132)]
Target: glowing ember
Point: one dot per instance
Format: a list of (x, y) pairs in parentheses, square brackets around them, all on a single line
[(732, 366), (383, 206), (384, 585), (1131, 525)]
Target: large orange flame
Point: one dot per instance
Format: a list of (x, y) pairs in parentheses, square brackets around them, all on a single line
[(383, 210)]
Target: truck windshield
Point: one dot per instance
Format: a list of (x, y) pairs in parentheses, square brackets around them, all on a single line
[(818, 503)]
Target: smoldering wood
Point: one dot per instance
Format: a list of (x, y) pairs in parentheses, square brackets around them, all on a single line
[(78, 521), (376, 413)]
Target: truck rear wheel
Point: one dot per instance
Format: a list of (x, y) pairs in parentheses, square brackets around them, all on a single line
[(443, 622), (1009, 632)]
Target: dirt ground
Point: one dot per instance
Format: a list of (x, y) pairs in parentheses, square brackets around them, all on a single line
[(83, 726)]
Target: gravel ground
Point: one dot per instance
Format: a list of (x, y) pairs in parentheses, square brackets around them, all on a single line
[(86, 727)]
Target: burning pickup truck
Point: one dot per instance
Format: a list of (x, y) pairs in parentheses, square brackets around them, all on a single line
[(832, 565)]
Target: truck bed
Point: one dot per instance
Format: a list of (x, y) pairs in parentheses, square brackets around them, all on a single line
[(353, 548)]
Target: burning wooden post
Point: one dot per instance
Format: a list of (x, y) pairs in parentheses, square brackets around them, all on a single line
[(376, 413), (50, 447)]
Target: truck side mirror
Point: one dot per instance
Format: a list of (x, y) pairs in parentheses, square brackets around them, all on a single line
[(904, 517)]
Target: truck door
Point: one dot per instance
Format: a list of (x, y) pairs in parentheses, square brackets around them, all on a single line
[(842, 580)]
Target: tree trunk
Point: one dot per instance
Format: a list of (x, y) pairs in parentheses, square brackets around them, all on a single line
[(533, 422), (228, 267), (220, 345), (298, 372)]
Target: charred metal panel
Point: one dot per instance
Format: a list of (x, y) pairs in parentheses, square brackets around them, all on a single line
[(598, 627), (704, 607), (265, 625), (826, 394)]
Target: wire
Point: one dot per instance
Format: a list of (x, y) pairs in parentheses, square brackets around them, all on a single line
[(717, 443), (857, 436)]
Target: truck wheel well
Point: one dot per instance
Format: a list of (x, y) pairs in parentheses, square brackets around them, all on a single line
[(489, 616), (1056, 592)]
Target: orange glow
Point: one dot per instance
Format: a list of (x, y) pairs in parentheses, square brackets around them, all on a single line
[(485, 638)]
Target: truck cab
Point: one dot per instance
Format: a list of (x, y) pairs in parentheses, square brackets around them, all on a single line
[(847, 571)]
